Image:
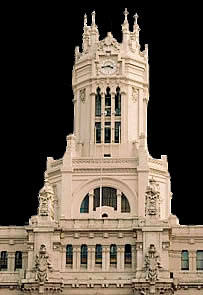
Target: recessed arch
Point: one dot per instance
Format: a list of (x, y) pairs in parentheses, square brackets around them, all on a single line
[(89, 186)]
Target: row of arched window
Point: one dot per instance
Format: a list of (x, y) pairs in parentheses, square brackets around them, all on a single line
[(108, 102), (98, 254), (185, 265), (108, 198), (111, 130), (4, 260)]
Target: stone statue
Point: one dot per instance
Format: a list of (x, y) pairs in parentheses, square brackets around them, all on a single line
[(152, 199), (152, 264), (46, 199), (42, 264)]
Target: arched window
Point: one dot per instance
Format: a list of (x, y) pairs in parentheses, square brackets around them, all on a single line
[(118, 102), (98, 103), (84, 208), (184, 260), (199, 258), (98, 254), (108, 102), (113, 254), (4, 260), (83, 254), (69, 254), (125, 206), (109, 197), (128, 254), (18, 260)]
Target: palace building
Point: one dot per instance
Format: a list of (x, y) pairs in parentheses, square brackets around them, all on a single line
[(104, 223)]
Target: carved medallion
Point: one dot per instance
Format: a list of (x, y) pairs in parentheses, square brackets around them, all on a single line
[(83, 95)]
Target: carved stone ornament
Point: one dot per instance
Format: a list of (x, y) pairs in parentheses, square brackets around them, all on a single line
[(152, 199), (152, 264), (108, 43), (83, 95), (42, 264), (135, 94), (46, 199)]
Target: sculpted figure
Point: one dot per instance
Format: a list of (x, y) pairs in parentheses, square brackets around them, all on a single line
[(42, 264), (152, 264)]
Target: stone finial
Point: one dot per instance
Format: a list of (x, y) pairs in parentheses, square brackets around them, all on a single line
[(126, 14), (93, 18), (85, 20), (136, 17)]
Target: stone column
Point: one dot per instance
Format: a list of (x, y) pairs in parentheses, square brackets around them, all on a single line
[(102, 116), (133, 249), (139, 256), (89, 258), (11, 261), (91, 194), (192, 260), (107, 258), (119, 201), (103, 258), (24, 260), (118, 258), (63, 258), (74, 258), (78, 258), (93, 258), (122, 258)]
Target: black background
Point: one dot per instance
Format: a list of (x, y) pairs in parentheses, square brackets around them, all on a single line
[(38, 44)]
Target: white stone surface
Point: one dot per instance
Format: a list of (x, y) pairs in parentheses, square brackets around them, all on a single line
[(130, 170)]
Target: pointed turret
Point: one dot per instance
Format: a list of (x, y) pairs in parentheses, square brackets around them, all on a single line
[(86, 35), (136, 30), (94, 31), (125, 28)]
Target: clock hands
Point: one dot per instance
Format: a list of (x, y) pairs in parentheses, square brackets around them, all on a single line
[(107, 66)]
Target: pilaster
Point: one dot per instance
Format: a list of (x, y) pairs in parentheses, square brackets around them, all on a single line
[(11, 261)]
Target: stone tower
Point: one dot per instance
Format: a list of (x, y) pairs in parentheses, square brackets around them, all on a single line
[(104, 224)]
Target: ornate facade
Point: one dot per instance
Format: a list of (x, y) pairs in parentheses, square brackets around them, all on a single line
[(104, 222)]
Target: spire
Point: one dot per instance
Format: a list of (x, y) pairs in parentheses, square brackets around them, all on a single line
[(136, 29), (85, 20), (93, 18), (125, 28), (126, 15)]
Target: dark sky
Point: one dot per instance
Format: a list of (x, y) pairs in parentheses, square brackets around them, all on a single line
[(37, 111)]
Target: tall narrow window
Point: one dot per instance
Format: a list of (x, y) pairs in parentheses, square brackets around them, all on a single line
[(117, 137), (98, 132), (109, 197), (84, 208), (69, 254), (18, 260), (83, 254), (98, 254), (199, 261), (125, 206), (107, 132), (118, 102), (98, 103), (128, 254), (184, 260), (108, 102), (113, 254), (4, 260)]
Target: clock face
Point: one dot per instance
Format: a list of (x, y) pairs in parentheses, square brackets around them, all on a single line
[(108, 67)]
